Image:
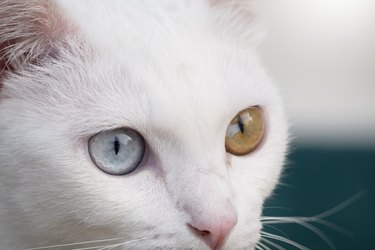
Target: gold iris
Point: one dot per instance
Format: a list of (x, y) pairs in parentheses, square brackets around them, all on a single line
[(245, 131)]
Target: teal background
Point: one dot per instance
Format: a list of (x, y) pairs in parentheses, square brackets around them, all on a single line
[(316, 179)]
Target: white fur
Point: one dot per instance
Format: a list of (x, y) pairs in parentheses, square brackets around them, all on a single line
[(177, 72)]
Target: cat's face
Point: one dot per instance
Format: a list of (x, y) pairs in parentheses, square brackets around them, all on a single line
[(169, 73)]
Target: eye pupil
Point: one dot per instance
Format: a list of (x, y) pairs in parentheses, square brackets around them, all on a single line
[(240, 124), (116, 145)]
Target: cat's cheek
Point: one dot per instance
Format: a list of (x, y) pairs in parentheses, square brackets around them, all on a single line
[(246, 234), (149, 164)]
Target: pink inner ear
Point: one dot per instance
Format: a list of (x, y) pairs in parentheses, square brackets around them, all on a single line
[(29, 31)]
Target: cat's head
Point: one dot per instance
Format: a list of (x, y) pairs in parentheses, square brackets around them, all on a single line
[(152, 121)]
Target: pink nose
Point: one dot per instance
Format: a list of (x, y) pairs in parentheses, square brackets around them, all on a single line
[(214, 228)]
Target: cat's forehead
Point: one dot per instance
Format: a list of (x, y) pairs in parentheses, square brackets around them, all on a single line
[(178, 90), (173, 56)]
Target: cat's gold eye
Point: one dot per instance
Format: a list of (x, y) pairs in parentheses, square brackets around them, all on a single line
[(245, 131)]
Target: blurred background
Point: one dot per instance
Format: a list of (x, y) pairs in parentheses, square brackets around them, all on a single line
[(322, 54)]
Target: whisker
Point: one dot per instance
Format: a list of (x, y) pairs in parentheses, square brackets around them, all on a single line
[(110, 247), (283, 239), (276, 229), (258, 247), (335, 227), (289, 220), (305, 223), (342, 205), (319, 233), (319, 218), (74, 244), (88, 248), (121, 244), (271, 243), (263, 246)]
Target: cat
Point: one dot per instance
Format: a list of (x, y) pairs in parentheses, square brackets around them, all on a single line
[(137, 124)]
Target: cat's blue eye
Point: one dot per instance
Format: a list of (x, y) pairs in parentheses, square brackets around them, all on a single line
[(117, 152)]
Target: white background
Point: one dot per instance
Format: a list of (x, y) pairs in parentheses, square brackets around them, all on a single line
[(322, 54)]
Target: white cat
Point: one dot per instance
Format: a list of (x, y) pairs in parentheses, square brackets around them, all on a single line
[(137, 124)]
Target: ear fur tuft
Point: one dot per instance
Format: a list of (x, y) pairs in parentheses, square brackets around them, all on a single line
[(29, 30), (242, 9), (240, 18)]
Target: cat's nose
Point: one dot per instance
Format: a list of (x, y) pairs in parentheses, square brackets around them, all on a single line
[(215, 226)]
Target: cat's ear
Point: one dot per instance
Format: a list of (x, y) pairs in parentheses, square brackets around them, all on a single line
[(239, 18), (29, 32), (241, 7)]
